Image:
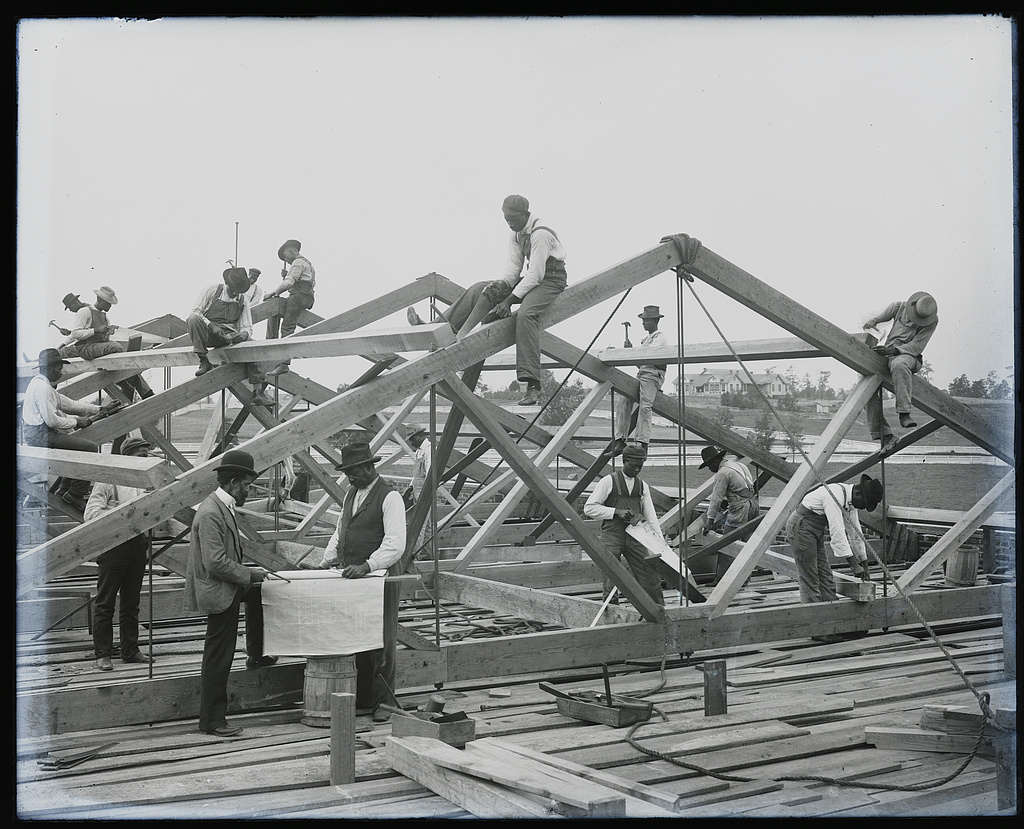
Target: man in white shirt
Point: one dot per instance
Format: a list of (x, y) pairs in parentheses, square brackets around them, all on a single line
[(298, 280), (832, 508), (621, 499), (650, 379), (370, 538), (421, 462), (49, 418)]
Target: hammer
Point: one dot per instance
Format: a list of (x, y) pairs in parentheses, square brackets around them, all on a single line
[(627, 343)]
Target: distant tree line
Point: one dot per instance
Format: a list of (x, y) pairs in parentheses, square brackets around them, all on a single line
[(990, 388)]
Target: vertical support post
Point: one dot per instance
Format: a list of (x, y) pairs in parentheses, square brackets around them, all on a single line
[(715, 689), (988, 550), (343, 739), (1009, 602)]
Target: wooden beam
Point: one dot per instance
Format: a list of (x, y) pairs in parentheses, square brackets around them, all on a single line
[(126, 470), (564, 514), (542, 460), (529, 603), (802, 481), (780, 309), (780, 560), (957, 535), (771, 349)]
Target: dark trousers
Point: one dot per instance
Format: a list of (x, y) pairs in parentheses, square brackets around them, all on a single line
[(46, 437), (204, 338), (134, 384), (282, 325), (628, 549), (806, 533), (375, 670), (219, 652), (120, 571), (528, 328)]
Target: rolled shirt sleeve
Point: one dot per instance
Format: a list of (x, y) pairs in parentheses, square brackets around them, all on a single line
[(595, 508), (393, 544)]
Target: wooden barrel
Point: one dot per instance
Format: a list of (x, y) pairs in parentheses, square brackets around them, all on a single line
[(325, 675), (962, 567)]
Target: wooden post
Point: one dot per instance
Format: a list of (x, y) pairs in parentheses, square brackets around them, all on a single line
[(1009, 603), (343, 739), (715, 691), (1005, 745)]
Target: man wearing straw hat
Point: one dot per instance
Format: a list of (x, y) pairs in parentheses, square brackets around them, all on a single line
[(91, 339), (650, 379), (298, 280), (832, 508), (417, 438), (217, 583), (733, 500), (222, 316), (370, 537), (121, 570), (913, 323)]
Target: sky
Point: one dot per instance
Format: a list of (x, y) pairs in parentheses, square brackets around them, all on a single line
[(848, 162)]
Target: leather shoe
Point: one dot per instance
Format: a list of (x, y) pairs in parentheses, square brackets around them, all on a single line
[(204, 366), (139, 658), (223, 731), (617, 446), (380, 715), (905, 421), (260, 662), (261, 399), (532, 396), (888, 445), (412, 316), (103, 663), (280, 368)]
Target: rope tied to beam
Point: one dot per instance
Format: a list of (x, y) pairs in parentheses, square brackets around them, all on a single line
[(687, 247)]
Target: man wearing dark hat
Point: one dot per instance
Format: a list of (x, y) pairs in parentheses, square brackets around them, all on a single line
[(121, 570), (221, 317), (370, 538), (621, 499), (913, 323), (91, 339), (49, 418), (217, 583), (538, 249), (72, 303), (832, 508), (733, 500), (298, 279), (650, 379)]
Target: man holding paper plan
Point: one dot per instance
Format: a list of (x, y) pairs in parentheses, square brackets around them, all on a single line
[(370, 538), (621, 499)]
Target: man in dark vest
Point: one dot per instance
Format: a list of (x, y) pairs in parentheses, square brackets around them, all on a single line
[(298, 280), (621, 499), (90, 338), (370, 538)]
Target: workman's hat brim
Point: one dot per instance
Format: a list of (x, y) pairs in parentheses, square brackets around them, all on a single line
[(238, 460), (107, 294), (356, 454), (709, 454), (922, 308), (651, 312), (291, 243), (870, 490)]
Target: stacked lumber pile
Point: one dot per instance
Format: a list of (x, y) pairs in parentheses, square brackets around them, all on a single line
[(496, 779)]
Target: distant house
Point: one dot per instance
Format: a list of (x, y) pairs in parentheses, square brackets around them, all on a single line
[(715, 384)]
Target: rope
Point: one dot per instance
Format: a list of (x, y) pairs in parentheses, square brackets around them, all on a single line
[(458, 510)]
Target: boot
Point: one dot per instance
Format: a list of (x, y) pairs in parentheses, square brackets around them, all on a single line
[(532, 396), (259, 398), (204, 365), (905, 421), (280, 368)]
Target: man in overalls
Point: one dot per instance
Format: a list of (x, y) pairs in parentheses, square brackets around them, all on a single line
[(90, 338), (733, 501), (298, 279), (222, 316), (650, 379), (621, 499)]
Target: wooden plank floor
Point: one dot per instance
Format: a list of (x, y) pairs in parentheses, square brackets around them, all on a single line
[(791, 745)]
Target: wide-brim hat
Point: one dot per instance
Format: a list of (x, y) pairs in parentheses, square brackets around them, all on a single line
[(295, 243), (49, 356), (356, 454), (131, 444), (922, 308), (711, 453), (870, 490), (237, 279), (69, 298), (107, 294), (651, 312), (237, 460), (414, 430)]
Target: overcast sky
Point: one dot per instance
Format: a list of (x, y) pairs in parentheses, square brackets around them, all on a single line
[(848, 162)]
